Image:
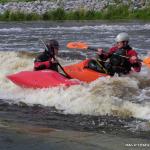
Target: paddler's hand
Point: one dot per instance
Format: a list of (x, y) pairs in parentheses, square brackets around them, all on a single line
[(133, 59), (99, 51), (54, 61)]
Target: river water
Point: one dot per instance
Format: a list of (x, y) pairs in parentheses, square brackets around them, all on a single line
[(105, 114)]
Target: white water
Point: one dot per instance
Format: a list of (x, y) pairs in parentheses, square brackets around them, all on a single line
[(117, 95)]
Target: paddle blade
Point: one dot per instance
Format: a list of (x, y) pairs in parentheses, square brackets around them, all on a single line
[(77, 45), (146, 61)]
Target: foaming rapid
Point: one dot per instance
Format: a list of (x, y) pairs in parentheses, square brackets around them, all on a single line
[(12, 62), (119, 96)]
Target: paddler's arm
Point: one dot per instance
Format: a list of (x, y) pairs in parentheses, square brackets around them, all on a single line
[(105, 55)]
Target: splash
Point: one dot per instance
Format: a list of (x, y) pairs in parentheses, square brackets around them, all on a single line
[(12, 62)]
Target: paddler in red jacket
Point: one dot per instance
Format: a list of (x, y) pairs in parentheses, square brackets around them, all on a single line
[(122, 58), (47, 60)]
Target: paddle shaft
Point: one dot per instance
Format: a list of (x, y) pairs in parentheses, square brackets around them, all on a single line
[(85, 46), (95, 49), (101, 66), (64, 71)]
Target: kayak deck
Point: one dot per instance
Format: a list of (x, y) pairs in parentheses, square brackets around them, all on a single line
[(81, 72), (40, 79)]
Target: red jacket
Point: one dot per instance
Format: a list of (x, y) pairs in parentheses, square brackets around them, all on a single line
[(128, 53), (45, 64)]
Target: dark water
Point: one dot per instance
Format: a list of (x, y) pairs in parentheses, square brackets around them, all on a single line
[(25, 35), (36, 127), (102, 115)]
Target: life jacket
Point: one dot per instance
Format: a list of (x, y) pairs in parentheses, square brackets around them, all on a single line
[(119, 62), (44, 61)]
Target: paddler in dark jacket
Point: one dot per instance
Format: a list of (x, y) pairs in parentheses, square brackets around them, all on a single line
[(47, 59), (122, 58)]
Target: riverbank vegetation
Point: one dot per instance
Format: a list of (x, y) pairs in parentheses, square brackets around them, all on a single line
[(111, 13)]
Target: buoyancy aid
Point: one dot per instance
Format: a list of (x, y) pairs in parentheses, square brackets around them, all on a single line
[(44, 61), (119, 61)]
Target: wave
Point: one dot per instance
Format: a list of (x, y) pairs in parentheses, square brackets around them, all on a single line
[(11, 29), (85, 27)]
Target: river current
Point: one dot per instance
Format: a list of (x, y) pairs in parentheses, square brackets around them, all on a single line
[(117, 106)]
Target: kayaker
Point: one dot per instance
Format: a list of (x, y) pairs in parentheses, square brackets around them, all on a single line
[(122, 58), (47, 59)]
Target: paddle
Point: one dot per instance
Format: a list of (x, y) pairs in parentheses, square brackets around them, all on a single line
[(146, 61), (77, 45), (46, 48), (80, 45), (84, 46)]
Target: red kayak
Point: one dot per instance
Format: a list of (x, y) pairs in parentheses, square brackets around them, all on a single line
[(49, 78), (40, 79)]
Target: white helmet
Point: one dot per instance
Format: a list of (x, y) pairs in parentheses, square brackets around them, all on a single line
[(122, 37)]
